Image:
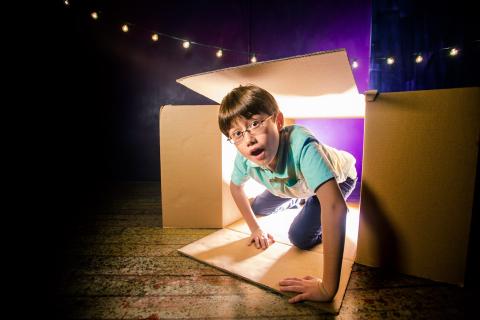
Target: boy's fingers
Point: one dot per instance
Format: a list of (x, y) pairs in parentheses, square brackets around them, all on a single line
[(270, 238), (298, 298), (264, 243), (289, 282), (292, 288), (292, 278), (261, 242)]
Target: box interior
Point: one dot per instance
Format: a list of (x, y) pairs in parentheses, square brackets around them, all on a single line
[(227, 250)]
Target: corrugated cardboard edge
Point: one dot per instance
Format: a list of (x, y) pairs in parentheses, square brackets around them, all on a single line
[(371, 95), (160, 157), (248, 65)]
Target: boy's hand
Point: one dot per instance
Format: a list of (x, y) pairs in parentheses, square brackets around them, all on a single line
[(261, 239), (310, 288)]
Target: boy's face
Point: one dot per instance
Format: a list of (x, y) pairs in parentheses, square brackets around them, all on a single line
[(260, 147)]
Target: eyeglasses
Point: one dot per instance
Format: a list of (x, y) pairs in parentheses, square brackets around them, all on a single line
[(253, 128)]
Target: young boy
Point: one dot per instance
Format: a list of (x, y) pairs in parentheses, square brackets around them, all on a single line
[(292, 165)]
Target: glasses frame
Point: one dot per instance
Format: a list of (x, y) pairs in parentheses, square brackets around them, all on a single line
[(249, 128)]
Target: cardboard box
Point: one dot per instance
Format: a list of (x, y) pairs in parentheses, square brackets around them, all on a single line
[(197, 161), (419, 163), (420, 153), (193, 191)]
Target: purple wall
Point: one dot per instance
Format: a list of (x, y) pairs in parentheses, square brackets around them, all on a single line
[(282, 29), (343, 134), (288, 28)]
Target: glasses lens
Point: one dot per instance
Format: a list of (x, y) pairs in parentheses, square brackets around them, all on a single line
[(237, 139), (255, 125), (237, 136)]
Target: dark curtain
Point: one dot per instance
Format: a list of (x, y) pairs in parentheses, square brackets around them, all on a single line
[(405, 28)]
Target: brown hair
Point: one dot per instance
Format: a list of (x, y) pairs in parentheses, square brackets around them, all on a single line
[(245, 101)]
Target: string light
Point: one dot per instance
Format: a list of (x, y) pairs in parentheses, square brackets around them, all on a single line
[(155, 36), (419, 58), (453, 52)]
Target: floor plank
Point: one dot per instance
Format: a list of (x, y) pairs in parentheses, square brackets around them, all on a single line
[(121, 264)]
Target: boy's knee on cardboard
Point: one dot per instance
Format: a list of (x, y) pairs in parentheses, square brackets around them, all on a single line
[(302, 240)]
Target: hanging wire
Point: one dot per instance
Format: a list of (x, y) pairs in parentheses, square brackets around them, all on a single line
[(155, 35), (419, 57)]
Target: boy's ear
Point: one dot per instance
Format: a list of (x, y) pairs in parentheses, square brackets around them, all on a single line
[(279, 120)]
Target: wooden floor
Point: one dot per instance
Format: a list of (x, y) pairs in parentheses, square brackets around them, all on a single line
[(121, 264)]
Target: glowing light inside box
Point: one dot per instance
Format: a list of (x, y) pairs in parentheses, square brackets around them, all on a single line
[(353, 218), (349, 104), (253, 188)]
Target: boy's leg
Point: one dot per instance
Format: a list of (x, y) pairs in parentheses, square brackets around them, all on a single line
[(267, 203), (306, 229)]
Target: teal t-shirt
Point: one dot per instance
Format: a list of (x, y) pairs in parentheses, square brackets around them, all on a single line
[(302, 166)]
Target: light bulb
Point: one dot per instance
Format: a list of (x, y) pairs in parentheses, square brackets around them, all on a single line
[(125, 28), (219, 53), (390, 60), (355, 64), (186, 44), (155, 37), (94, 15), (66, 3), (453, 52), (419, 59), (253, 59)]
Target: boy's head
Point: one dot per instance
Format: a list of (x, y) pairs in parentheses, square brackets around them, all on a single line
[(244, 102), (254, 110)]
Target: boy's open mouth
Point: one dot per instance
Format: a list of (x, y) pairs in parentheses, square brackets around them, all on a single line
[(256, 152)]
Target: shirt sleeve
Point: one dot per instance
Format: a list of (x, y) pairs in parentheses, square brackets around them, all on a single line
[(314, 166), (239, 174)]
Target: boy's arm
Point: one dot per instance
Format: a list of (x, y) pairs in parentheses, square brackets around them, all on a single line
[(261, 239), (243, 205), (333, 217)]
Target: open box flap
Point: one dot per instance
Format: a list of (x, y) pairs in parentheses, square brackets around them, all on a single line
[(322, 80)]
